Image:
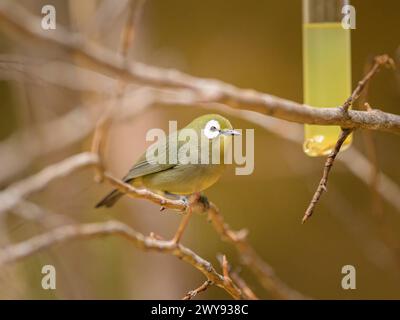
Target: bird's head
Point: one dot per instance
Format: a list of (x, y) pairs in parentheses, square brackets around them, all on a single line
[(213, 126), (210, 128)]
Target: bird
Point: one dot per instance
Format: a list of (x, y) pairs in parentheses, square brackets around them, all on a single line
[(181, 178)]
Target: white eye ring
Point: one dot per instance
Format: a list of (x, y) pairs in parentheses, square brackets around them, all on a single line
[(211, 130)]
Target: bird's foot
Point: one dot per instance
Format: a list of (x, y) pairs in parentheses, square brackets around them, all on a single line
[(200, 200), (185, 200), (204, 201)]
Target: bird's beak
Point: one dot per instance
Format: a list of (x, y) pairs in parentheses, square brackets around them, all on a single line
[(230, 132)]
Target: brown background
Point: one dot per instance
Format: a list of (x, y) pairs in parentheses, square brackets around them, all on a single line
[(254, 44)]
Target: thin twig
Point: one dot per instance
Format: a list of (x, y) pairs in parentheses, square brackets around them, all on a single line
[(207, 90), (191, 294), (16, 192), (370, 145), (250, 258), (62, 234), (133, 192), (104, 123), (325, 175), (182, 226), (225, 268), (23, 147), (369, 70), (248, 294), (379, 61)]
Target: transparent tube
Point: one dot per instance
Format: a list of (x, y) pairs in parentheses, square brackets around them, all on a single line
[(326, 69)]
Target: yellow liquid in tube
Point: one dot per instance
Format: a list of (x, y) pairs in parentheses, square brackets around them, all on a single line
[(327, 80)]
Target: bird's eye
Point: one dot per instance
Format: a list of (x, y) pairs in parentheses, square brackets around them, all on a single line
[(211, 130)]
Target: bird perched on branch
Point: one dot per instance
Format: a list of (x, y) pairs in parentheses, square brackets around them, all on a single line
[(185, 162)]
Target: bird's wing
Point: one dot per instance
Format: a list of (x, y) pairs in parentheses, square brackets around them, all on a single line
[(149, 162)]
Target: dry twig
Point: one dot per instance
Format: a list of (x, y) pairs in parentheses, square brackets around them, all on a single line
[(234, 276), (104, 123), (322, 186), (250, 258), (16, 192), (379, 61), (247, 292), (191, 294)]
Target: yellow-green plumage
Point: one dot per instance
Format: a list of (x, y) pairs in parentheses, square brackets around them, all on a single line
[(178, 178)]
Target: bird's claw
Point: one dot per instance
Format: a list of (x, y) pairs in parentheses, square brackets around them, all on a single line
[(185, 201), (204, 201)]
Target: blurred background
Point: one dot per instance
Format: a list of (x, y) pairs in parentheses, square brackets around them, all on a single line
[(251, 44)]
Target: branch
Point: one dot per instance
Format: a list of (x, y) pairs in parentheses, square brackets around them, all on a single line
[(379, 61), (77, 124), (207, 90), (247, 292), (370, 146), (133, 192), (262, 270), (234, 276), (327, 168), (18, 191), (352, 159), (104, 123), (23, 147), (62, 234), (191, 294)]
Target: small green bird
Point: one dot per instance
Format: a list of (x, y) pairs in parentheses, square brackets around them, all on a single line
[(181, 178)]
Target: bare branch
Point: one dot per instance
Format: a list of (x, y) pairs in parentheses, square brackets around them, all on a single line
[(263, 271), (352, 159), (183, 225), (191, 294), (225, 268), (104, 123), (234, 276), (327, 168), (16, 192), (370, 144), (247, 292), (380, 61), (22, 148), (62, 234), (133, 192), (208, 90)]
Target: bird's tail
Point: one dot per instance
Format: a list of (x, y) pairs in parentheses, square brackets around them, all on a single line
[(109, 200)]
